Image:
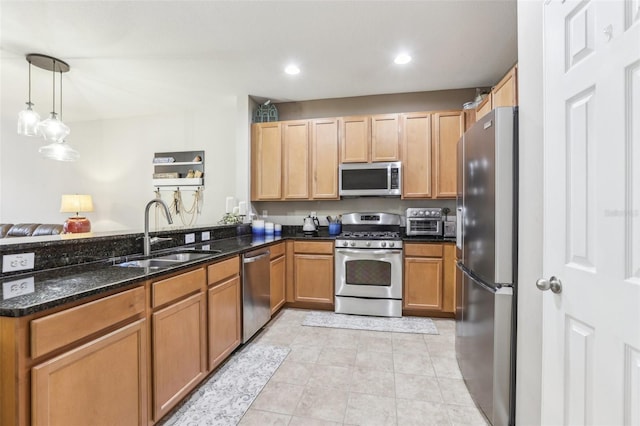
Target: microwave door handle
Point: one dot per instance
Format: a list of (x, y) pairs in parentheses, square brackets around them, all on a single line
[(389, 177)]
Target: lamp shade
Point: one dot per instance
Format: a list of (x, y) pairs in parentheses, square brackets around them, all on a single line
[(75, 203)]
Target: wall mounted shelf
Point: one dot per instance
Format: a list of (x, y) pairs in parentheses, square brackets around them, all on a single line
[(175, 172)]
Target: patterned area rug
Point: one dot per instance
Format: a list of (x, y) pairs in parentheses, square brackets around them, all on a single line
[(357, 322), (227, 395)]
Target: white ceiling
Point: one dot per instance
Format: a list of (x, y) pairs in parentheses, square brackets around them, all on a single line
[(130, 58)]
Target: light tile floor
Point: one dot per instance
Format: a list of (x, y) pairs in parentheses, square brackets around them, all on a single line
[(354, 377)]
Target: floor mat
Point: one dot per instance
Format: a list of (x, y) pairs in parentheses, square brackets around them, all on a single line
[(358, 322), (226, 396)]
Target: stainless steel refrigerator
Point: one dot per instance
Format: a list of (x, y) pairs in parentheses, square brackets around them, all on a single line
[(487, 238)]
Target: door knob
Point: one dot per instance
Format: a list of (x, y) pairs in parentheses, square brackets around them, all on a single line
[(554, 284)]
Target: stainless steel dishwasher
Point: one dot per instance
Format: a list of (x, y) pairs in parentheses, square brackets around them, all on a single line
[(256, 293)]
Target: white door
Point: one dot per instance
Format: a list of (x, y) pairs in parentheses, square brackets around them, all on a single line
[(591, 329)]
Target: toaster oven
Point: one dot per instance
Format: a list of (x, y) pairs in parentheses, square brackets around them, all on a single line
[(424, 221)]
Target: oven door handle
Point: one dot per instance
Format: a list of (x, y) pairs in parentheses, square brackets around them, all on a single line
[(365, 251)]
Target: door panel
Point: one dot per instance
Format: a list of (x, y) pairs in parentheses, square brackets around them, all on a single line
[(591, 329)]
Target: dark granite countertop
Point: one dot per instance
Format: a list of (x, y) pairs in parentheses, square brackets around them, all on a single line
[(46, 289)]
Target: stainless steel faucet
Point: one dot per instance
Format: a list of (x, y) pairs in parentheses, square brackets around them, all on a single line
[(147, 240)]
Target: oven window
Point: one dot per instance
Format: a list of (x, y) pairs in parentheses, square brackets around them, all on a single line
[(368, 272)]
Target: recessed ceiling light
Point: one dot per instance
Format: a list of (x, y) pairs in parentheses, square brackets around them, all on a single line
[(402, 59), (292, 69)]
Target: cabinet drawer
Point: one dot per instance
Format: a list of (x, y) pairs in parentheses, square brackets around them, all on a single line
[(316, 247), (423, 250), (176, 287), (221, 270), (277, 250), (62, 328)]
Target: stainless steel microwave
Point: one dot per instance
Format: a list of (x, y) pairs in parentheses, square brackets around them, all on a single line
[(370, 179)]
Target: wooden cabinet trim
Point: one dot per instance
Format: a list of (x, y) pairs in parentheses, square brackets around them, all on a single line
[(421, 290), (222, 270), (277, 283), (173, 288), (62, 328)]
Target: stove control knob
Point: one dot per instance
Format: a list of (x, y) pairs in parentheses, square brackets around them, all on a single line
[(384, 244), (368, 243), (391, 244), (352, 244), (422, 213), (345, 243)]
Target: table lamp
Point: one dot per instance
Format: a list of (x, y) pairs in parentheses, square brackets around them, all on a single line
[(75, 203)]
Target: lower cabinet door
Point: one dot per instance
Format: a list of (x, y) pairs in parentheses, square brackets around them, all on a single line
[(423, 284), (224, 320), (314, 278), (179, 351), (103, 382), (277, 280)]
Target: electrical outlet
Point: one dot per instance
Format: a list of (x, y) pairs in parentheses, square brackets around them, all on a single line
[(206, 236), (206, 247), (190, 238), (18, 287), (313, 214), (18, 262), (265, 213)]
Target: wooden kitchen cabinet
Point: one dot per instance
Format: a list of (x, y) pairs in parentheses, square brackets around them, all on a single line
[(266, 161), (295, 145), (448, 128), (385, 144), (224, 313), (178, 338), (112, 368), (355, 139), (325, 157), (429, 279), (416, 155), (505, 93), (313, 273), (366, 139), (277, 276)]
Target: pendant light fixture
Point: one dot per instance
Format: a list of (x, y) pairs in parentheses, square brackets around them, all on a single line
[(28, 119), (52, 129), (58, 149)]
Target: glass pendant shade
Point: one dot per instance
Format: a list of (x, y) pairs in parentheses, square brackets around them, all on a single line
[(28, 121), (60, 151), (52, 129)]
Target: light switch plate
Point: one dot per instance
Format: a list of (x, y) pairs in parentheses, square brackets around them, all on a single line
[(206, 236), (18, 262), (189, 238)]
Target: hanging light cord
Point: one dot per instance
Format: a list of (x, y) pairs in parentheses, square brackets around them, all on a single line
[(54, 87), (60, 114), (30, 104)]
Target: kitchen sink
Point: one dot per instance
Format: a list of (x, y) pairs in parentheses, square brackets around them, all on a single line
[(166, 260)]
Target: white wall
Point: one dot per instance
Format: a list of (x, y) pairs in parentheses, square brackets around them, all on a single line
[(529, 339), (116, 168)]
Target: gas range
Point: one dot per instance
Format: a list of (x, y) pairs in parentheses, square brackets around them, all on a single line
[(368, 265), (370, 231)]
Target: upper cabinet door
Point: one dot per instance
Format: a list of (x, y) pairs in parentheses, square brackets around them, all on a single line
[(295, 139), (505, 93), (355, 137), (447, 130), (416, 155), (266, 154), (324, 159), (385, 144)]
